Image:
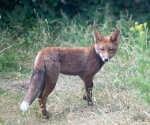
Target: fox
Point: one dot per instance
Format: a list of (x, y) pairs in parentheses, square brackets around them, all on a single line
[(84, 62)]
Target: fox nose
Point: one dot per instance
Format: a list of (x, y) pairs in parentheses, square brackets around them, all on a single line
[(105, 60)]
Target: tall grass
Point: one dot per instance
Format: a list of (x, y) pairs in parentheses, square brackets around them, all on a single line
[(127, 72)]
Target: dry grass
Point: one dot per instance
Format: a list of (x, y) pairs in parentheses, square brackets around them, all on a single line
[(114, 102)]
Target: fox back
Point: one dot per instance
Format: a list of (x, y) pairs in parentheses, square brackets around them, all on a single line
[(84, 62), (70, 61)]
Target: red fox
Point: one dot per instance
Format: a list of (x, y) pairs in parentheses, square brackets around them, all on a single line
[(84, 62)]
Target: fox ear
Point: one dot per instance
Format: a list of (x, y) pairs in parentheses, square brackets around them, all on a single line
[(97, 35), (115, 36)]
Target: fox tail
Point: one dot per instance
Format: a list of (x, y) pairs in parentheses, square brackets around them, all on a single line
[(35, 88)]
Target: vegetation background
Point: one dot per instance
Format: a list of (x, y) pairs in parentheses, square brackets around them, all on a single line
[(122, 87)]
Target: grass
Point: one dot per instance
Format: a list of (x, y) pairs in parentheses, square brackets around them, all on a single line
[(118, 92), (115, 105)]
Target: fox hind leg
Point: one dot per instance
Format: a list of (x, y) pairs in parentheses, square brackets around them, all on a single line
[(43, 98), (50, 83)]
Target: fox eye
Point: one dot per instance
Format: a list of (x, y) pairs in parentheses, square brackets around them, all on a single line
[(101, 49)]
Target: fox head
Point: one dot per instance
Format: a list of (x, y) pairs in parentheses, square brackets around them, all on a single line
[(106, 47)]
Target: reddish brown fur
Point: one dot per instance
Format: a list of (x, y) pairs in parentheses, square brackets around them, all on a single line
[(84, 62)]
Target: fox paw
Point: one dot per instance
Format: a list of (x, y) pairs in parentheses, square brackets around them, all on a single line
[(90, 103), (45, 116), (84, 97)]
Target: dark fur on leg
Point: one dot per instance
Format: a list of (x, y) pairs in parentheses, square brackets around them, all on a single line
[(90, 91)]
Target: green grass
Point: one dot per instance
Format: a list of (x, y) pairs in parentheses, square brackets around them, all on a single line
[(121, 87)]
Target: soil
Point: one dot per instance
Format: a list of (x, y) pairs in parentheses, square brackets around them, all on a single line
[(15, 85)]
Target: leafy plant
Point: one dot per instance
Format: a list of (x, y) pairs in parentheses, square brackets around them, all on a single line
[(142, 61), (23, 12)]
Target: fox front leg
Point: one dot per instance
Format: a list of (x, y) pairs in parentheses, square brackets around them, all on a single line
[(88, 95)]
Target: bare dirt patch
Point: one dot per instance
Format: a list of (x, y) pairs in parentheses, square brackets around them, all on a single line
[(14, 84)]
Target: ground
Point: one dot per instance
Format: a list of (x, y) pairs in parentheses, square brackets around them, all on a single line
[(112, 106)]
